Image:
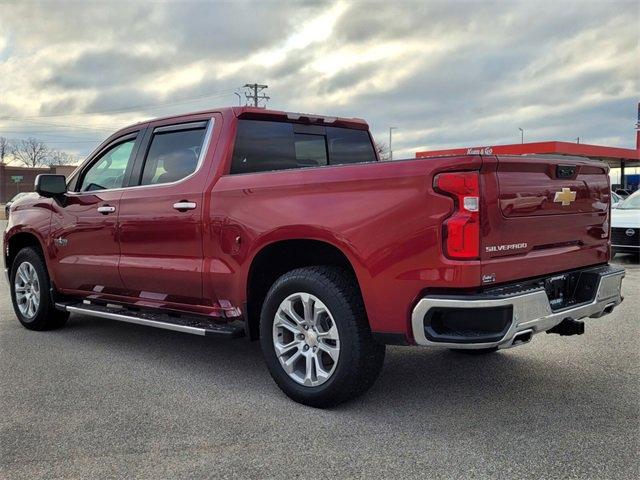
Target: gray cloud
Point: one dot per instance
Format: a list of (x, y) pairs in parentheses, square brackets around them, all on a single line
[(97, 69), (349, 77), (120, 98), (445, 73), (292, 64), (53, 107), (228, 30)]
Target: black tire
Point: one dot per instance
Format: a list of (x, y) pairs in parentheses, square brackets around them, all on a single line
[(46, 316), (361, 357), (478, 351)]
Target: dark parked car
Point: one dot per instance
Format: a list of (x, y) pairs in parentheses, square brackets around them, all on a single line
[(7, 207), (622, 192)]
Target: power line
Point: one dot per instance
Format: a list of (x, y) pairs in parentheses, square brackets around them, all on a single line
[(66, 125), (35, 120), (252, 94), (61, 141), (134, 108), (26, 131)]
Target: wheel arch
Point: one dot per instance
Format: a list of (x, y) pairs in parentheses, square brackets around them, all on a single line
[(276, 257), (19, 240)]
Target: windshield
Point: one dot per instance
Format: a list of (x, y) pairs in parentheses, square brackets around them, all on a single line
[(631, 203)]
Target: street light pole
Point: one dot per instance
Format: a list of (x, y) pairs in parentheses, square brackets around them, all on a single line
[(391, 129), (521, 135)]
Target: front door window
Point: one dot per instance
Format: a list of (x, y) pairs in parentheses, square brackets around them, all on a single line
[(109, 171)]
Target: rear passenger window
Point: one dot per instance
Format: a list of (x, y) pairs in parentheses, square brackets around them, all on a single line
[(263, 146), (173, 155), (349, 146)]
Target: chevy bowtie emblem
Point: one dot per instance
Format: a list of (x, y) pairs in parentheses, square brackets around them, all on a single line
[(566, 196)]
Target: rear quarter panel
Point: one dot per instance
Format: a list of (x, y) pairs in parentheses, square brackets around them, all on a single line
[(385, 218)]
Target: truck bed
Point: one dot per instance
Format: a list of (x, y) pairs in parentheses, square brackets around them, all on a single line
[(388, 220)]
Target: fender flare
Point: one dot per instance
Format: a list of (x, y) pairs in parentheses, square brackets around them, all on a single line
[(302, 233)]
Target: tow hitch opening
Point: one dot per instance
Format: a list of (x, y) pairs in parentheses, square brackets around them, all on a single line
[(567, 327)]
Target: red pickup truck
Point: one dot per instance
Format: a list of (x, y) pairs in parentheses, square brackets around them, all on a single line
[(288, 229)]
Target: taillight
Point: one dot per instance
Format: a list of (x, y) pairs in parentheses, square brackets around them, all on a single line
[(462, 228)]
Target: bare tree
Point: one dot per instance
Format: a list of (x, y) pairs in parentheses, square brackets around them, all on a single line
[(31, 152), (58, 157), (5, 147), (382, 149)]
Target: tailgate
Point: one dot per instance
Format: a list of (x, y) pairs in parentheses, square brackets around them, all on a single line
[(543, 215), (530, 186)]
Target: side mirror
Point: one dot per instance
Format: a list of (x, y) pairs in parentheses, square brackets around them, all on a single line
[(51, 185)]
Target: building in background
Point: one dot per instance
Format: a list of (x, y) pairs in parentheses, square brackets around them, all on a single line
[(623, 161), (14, 180)]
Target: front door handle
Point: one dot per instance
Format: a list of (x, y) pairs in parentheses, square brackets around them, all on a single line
[(106, 209), (184, 206)]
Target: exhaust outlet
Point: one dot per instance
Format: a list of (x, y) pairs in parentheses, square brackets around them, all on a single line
[(521, 338)]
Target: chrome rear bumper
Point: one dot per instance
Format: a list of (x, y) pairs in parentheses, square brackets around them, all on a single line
[(532, 312)]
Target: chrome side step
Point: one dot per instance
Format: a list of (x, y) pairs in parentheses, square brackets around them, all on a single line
[(186, 324)]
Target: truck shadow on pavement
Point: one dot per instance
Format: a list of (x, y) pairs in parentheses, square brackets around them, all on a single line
[(416, 385)]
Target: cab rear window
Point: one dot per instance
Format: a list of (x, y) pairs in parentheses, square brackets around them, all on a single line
[(263, 146)]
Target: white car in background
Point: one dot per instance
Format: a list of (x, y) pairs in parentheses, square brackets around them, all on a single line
[(625, 226), (615, 199)]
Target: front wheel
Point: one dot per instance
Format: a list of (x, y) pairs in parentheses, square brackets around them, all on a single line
[(30, 286), (316, 339)]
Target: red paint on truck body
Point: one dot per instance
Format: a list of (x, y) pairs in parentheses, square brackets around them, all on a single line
[(385, 217)]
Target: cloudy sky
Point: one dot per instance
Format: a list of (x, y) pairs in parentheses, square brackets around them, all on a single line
[(447, 74)]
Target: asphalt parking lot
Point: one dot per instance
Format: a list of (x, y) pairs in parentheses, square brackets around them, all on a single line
[(110, 400)]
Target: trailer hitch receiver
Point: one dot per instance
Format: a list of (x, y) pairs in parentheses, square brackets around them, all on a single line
[(567, 327)]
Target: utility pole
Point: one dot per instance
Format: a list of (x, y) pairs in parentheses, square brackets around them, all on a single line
[(521, 135), (252, 93), (391, 129)]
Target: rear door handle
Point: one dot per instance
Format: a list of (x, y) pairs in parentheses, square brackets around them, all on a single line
[(106, 209), (184, 206)]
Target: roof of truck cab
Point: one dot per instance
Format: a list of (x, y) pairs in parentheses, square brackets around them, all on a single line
[(257, 113)]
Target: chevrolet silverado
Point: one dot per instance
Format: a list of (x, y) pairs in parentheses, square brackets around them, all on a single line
[(287, 229)]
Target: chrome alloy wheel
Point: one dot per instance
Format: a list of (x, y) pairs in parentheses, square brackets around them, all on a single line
[(27, 290), (305, 339)]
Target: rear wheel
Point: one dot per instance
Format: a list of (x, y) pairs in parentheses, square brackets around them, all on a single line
[(30, 286), (315, 337)]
